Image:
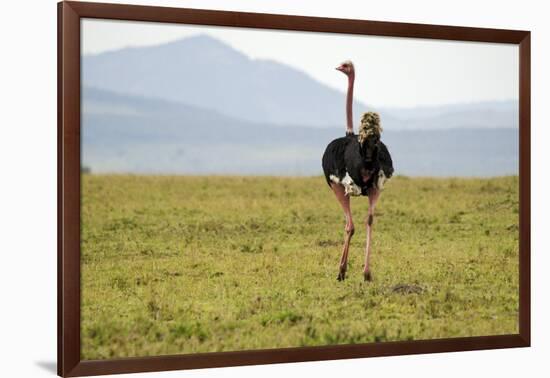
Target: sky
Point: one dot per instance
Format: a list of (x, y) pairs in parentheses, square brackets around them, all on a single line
[(390, 72)]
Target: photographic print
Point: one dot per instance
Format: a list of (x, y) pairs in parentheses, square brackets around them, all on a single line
[(247, 189)]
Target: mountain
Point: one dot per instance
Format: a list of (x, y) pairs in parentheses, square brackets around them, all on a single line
[(204, 72), (483, 115), (130, 134)]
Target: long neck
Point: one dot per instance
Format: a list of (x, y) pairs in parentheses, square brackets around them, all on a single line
[(349, 103)]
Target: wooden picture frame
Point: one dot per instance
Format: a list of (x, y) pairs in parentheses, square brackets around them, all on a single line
[(69, 16)]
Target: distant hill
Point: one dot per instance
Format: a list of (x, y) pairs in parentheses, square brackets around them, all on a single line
[(139, 135), (483, 115), (204, 72), (207, 73)]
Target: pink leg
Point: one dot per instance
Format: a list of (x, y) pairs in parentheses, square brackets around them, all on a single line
[(374, 194), (349, 230)]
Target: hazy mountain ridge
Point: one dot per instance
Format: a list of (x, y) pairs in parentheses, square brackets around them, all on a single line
[(140, 135), (204, 72), (487, 114)]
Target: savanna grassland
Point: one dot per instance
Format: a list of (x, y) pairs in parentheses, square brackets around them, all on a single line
[(175, 265)]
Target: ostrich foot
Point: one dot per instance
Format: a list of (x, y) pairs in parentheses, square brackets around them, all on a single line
[(367, 276), (341, 275)]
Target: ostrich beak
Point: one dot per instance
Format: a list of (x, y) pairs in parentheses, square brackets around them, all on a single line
[(340, 68)]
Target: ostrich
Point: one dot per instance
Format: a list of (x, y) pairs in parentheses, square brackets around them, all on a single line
[(357, 165)]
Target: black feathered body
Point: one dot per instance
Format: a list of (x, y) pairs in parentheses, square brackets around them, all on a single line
[(348, 162)]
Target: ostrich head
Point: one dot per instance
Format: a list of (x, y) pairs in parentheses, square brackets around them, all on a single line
[(346, 67)]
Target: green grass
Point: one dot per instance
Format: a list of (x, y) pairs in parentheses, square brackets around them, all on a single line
[(175, 265)]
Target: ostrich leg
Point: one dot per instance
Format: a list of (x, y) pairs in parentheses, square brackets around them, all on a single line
[(374, 194), (349, 230)]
